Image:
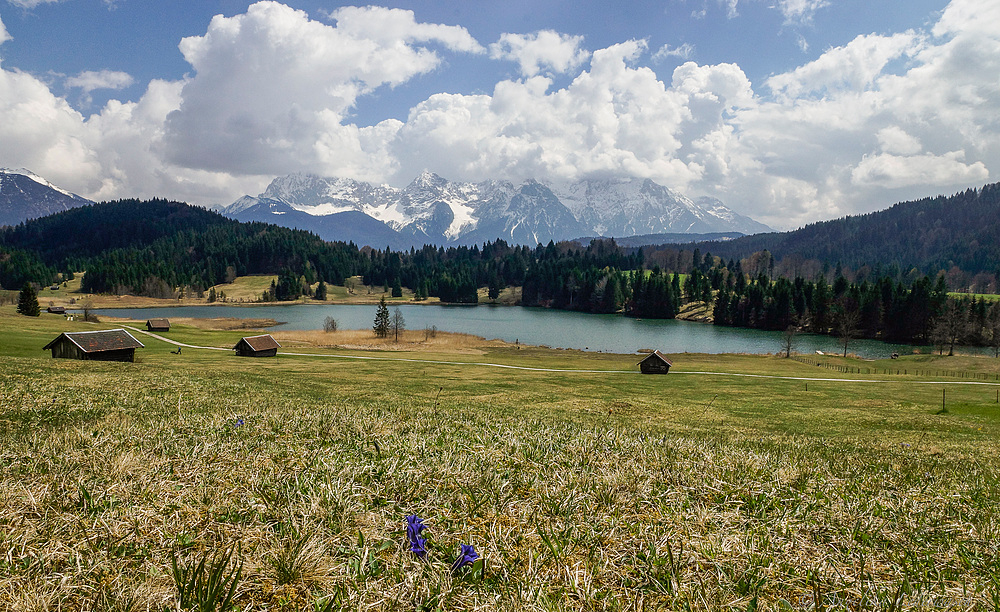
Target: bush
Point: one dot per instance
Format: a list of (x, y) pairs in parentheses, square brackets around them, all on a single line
[(329, 324)]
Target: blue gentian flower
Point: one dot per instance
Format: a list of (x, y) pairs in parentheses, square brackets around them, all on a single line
[(414, 527), (417, 547), (468, 557)]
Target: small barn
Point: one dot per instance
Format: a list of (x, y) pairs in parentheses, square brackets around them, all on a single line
[(158, 325), (257, 346), (655, 363), (107, 345), (56, 310)]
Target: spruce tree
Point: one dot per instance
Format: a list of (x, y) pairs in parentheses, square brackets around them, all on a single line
[(381, 326), (27, 301), (320, 291)]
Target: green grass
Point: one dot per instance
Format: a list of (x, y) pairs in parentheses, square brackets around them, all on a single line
[(581, 491), (990, 297)]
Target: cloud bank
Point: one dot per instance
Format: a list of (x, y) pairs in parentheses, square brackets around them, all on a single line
[(878, 119)]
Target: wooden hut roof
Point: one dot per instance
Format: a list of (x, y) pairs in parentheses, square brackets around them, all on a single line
[(97, 341), (56, 309), (158, 322), (260, 343), (658, 356)]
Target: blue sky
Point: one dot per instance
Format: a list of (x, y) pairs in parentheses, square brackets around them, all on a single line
[(790, 111)]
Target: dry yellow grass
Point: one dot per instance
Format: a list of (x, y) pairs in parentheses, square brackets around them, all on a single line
[(583, 491), (409, 340)]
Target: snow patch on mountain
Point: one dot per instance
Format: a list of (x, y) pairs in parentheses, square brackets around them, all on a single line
[(434, 209), (24, 195), (41, 181)]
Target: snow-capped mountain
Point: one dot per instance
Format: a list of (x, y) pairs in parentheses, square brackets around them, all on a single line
[(633, 207), (434, 210), (25, 195)]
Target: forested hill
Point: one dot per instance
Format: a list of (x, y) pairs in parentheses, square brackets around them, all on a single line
[(129, 244), (90, 230), (931, 234)]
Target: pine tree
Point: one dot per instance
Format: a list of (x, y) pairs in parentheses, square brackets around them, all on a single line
[(494, 286), (320, 291), (27, 301), (381, 326)]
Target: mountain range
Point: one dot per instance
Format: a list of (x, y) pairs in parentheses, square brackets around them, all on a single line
[(433, 210), (958, 234), (25, 195)]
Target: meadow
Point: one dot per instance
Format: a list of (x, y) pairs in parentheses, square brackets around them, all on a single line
[(285, 483), (243, 290)]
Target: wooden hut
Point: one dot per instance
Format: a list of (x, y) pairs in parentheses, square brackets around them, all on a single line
[(107, 345), (56, 310), (655, 363), (257, 346), (158, 325)]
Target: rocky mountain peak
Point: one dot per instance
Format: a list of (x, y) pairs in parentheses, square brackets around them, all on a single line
[(435, 210), (25, 195)]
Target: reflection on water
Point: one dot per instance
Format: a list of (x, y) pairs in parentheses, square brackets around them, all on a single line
[(537, 326)]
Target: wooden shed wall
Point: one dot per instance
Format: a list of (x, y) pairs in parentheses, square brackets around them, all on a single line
[(65, 349), (119, 355), (653, 366), (245, 351)]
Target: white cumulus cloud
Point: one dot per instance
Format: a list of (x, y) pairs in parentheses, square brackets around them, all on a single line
[(41, 131), (392, 26), (615, 119), (854, 66), (684, 51), (800, 11), (881, 119), (888, 171), (90, 80), (4, 35), (895, 140), (545, 51), (878, 119), (267, 82)]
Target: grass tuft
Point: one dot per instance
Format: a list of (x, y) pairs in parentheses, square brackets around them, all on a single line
[(207, 582)]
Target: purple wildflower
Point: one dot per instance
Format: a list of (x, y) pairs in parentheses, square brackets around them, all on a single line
[(414, 527), (468, 557), (417, 547)]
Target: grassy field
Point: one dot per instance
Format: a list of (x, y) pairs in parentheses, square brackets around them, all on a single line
[(580, 490)]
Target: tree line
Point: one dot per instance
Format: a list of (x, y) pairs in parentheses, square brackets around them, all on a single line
[(958, 234), (159, 248)]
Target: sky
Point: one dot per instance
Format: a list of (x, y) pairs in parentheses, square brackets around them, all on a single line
[(789, 111)]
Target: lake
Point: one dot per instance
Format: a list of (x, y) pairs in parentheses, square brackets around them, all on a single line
[(537, 326)]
